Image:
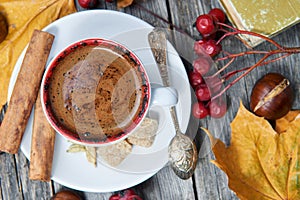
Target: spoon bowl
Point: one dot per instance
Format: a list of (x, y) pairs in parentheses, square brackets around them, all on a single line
[(183, 155)]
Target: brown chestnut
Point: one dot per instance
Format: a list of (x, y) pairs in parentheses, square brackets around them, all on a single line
[(66, 195), (272, 96)]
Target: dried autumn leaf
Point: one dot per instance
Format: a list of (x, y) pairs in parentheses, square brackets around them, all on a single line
[(124, 3), (260, 164), (23, 16), (282, 124)]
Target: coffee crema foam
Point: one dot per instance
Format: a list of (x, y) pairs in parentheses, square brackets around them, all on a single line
[(97, 92)]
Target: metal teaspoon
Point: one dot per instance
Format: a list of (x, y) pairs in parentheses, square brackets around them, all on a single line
[(182, 150)]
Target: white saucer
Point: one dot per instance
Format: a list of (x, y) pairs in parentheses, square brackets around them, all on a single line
[(73, 170)]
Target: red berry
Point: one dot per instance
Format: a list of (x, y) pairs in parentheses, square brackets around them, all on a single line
[(206, 25), (202, 65), (87, 3), (210, 47), (214, 83), (202, 92), (198, 47), (195, 78), (218, 14), (114, 197), (199, 110), (217, 108)]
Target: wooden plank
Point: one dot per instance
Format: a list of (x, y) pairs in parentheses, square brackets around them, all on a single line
[(96, 196), (165, 185), (31, 189), (10, 187), (1, 195), (211, 183), (157, 7)]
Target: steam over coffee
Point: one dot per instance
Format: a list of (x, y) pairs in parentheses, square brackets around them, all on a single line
[(97, 91)]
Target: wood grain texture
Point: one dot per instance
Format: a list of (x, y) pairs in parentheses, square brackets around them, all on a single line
[(10, 186), (157, 7), (209, 182), (31, 189)]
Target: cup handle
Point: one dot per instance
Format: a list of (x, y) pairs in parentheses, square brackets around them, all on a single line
[(163, 96)]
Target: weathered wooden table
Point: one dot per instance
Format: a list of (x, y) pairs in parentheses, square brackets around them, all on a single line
[(208, 181)]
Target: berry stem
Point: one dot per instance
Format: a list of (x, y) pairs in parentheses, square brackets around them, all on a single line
[(224, 67), (240, 39), (241, 54), (286, 51), (230, 74), (238, 31), (241, 76)]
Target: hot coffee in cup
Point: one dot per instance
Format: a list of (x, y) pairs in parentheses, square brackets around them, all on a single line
[(96, 91)]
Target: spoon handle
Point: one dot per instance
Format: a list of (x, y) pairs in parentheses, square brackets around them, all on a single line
[(158, 43)]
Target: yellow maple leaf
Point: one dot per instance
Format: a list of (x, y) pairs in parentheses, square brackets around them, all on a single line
[(23, 16), (282, 124), (260, 164)]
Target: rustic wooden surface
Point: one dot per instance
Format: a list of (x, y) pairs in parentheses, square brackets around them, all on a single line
[(208, 182)]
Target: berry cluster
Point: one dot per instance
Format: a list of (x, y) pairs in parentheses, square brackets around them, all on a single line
[(208, 26), (206, 86), (205, 89)]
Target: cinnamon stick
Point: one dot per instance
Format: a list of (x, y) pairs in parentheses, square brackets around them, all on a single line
[(25, 91), (42, 145)]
